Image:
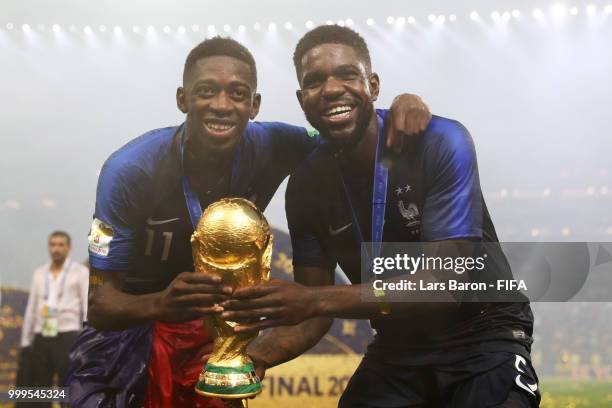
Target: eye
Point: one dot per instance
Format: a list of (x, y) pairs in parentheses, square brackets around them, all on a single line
[(349, 76), (312, 82), (205, 92), (239, 93)]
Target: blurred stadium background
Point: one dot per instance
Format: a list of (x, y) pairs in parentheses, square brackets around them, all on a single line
[(531, 80)]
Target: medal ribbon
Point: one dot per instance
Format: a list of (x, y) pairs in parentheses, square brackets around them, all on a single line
[(379, 202), (62, 283), (191, 198)]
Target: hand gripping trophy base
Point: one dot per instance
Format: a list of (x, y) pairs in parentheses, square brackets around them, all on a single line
[(233, 241)]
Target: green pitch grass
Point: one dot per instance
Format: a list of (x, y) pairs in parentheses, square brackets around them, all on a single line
[(563, 393)]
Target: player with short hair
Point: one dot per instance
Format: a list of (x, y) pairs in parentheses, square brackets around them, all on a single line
[(425, 354), (146, 338)]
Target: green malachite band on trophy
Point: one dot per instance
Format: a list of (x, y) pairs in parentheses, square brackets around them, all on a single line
[(240, 391), (245, 369), (218, 382)]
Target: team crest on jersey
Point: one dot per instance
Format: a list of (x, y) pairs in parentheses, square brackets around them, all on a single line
[(409, 212), (100, 237)]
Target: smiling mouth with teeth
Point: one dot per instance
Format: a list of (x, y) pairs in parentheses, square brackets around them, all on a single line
[(338, 111), (219, 127)]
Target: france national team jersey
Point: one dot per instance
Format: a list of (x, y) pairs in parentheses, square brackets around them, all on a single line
[(433, 194), (141, 223), (142, 227)]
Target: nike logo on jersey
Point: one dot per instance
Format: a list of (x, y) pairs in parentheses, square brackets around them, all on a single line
[(530, 388), (339, 230), (159, 222)]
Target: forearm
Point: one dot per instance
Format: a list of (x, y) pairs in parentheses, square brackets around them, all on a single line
[(284, 343), (27, 330), (111, 309), (351, 302)]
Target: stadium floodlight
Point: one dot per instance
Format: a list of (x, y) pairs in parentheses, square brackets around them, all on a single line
[(591, 9)]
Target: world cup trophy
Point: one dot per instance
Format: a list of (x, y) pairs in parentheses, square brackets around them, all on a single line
[(232, 240)]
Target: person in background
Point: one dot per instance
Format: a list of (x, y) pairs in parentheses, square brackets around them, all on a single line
[(57, 306)]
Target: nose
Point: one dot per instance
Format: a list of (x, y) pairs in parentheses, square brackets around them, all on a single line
[(221, 104), (332, 88)]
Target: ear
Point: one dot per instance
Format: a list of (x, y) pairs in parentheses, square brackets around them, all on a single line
[(300, 97), (255, 105), (374, 86), (181, 102)]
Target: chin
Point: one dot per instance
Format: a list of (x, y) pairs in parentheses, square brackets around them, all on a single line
[(217, 142), (341, 136)]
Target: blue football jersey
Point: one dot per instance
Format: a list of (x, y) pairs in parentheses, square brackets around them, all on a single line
[(141, 223), (433, 194)]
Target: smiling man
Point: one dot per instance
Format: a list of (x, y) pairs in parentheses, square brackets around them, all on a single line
[(146, 337), (349, 191)]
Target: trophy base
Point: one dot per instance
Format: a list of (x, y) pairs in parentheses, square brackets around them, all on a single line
[(228, 382)]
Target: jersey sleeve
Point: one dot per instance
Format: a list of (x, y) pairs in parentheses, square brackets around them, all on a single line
[(307, 247), (453, 202), (290, 144), (113, 231)]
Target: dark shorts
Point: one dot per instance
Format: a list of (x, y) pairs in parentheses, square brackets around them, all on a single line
[(499, 379)]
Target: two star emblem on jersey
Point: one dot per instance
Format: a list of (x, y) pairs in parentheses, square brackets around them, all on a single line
[(100, 237), (410, 213)]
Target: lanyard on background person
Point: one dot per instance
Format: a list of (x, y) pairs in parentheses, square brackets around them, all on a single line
[(64, 273), (191, 198), (379, 202)]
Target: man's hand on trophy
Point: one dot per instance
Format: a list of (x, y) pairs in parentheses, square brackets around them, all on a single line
[(191, 296), (275, 303), (260, 365)]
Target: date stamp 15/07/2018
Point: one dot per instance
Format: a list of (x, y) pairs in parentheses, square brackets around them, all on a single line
[(33, 394)]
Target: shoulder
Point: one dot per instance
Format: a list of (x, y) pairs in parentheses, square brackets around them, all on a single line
[(40, 271), (139, 157), (80, 268), (271, 128), (274, 134), (317, 168), (445, 136)]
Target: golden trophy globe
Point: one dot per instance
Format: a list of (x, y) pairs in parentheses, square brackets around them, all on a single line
[(233, 241)]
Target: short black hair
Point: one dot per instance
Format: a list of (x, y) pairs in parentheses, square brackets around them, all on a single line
[(331, 34), (221, 46), (59, 233)]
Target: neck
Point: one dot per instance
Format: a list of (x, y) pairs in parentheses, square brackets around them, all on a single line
[(199, 156), (56, 266), (360, 160)]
